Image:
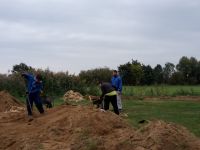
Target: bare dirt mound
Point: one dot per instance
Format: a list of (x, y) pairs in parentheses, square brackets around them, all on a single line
[(168, 136), (8, 102), (78, 128)]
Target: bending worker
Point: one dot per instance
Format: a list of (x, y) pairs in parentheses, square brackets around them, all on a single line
[(109, 95), (34, 88)]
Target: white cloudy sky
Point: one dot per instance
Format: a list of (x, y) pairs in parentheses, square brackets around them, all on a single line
[(77, 35)]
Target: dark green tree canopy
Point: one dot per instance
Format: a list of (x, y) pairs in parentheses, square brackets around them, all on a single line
[(22, 67)]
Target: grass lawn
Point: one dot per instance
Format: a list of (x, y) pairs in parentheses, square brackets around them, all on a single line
[(186, 113), (161, 90)]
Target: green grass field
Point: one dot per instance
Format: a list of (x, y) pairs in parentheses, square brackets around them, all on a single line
[(161, 90), (186, 113)]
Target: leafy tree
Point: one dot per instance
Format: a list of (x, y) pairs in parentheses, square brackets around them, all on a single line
[(168, 71), (94, 75), (198, 73), (22, 67), (177, 78), (131, 73), (158, 74), (126, 73), (189, 68), (148, 75)]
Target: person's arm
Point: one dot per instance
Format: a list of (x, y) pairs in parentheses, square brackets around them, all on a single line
[(27, 76), (24, 75), (114, 84), (120, 85), (103, 92)]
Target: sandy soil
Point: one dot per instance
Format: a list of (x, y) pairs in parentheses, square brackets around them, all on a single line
[(69, 127)]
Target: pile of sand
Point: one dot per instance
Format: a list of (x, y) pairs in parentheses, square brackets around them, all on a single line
[(84, 127), (72, 96), (8, 102), (80, 128), (167, 136)]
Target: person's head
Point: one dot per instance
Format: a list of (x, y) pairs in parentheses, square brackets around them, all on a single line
[(38, 77), (115, 73)]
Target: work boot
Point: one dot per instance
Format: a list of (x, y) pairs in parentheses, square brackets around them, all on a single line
[(30, 118), (120, 110)]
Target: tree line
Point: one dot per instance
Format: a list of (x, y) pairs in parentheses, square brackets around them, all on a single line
[(186, 72)]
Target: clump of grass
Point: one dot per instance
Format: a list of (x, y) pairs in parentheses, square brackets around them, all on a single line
[(183, 92), (91, 144), (161, 90)]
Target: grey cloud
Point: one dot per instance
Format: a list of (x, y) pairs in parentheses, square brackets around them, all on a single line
[(85, 34)]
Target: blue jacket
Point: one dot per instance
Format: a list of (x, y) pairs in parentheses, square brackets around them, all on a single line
[(33, 86), (117, 83)]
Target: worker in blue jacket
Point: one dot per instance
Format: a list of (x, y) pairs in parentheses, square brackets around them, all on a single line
[(34, 88), (116, 82)]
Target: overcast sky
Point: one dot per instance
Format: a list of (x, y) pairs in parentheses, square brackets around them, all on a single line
[(77, 35)]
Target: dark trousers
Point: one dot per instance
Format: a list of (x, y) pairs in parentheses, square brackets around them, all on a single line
[(113, 101), (34, 97)]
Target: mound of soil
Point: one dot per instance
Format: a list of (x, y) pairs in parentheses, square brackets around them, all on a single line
[(79, 128), (168, 136), (72, 96), (8, 102)]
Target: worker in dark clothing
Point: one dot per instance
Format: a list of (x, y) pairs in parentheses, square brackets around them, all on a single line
[(109, 95), (34, 88)]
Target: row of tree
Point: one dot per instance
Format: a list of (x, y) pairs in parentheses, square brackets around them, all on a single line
[(187, 71)]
